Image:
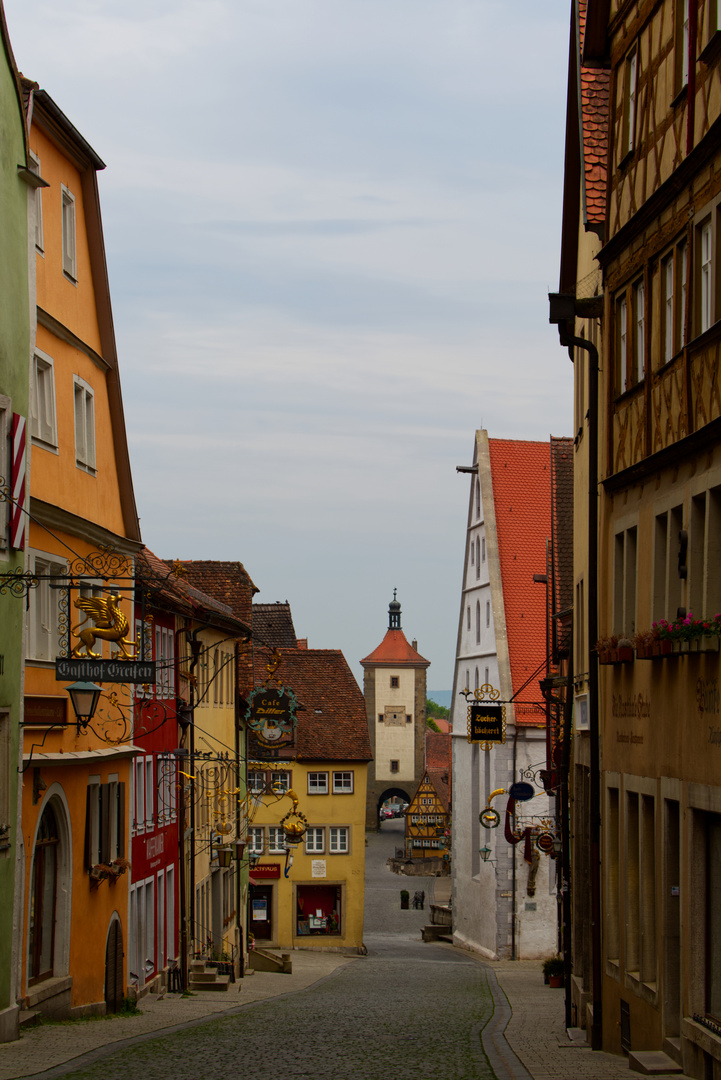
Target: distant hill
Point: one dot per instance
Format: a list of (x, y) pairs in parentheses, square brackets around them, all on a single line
[(441, 697)]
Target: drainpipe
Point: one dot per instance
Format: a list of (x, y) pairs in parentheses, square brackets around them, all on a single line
[(180, 767), (195, 650), (563, 311), (513, 854)]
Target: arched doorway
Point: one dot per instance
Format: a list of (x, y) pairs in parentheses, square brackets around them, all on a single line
[(43, 899), (392, 793), (114, 989)]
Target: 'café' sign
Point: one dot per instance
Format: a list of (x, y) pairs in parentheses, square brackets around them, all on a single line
[(271, 715)]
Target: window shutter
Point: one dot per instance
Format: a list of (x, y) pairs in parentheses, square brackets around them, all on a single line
[(105, 823), (121, 821), (88, 827)]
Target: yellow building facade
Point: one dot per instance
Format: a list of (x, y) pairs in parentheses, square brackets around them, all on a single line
[(310, 895)]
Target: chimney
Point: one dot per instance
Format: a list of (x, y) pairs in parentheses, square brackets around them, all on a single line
[(302, 642), (414, 643)]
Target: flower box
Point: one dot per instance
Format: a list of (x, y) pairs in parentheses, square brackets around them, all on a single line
[(664, 647), (624, 654), (645, 652)]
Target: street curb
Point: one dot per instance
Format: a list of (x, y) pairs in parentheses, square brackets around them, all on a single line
[(502, 1059)]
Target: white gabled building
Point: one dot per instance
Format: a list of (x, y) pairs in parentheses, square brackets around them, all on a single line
[(504, 907)]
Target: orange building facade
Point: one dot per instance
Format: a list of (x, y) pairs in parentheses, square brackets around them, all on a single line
[(83, 534)]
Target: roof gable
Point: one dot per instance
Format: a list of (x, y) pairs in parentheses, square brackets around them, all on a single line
[(395, 650), (521, 479)]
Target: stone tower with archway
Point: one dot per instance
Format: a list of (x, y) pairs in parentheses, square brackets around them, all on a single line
[(394, 687)]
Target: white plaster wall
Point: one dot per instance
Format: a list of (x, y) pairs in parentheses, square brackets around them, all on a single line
[(536, 931), (483, 901)]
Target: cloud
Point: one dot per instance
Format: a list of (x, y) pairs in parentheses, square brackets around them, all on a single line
[(330, 228)]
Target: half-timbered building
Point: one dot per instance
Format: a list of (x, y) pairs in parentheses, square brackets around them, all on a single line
[(655, 951)]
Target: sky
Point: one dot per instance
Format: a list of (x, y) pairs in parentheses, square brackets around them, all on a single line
[(331, 227)]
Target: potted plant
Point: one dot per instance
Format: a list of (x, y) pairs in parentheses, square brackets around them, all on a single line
[(606, 648), (624, 650), (405, 896), (643, 641), (689, 634), (553, 970)]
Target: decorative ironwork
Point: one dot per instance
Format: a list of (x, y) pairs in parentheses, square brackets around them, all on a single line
[(18, 582), (105, 563), (64, 624)]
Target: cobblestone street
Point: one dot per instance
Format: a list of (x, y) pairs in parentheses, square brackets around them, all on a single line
[(407, 1011)]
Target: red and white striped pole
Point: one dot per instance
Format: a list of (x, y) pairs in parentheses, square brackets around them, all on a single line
[(17, 483)]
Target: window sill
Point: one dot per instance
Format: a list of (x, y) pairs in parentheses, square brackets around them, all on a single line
[(681, 97), (629, 392), (42, 444), (89, 469), (706, 337), (711, 51), (701, 1036), (626, 159), (70, 278)]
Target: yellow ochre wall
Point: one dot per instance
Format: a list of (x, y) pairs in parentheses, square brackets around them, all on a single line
[(347, 871)]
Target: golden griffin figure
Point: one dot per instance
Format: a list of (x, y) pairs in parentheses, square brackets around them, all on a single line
[(110, 625)]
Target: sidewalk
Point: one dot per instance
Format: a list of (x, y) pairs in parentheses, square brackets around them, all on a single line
[(536, 1030), (47, 1046)]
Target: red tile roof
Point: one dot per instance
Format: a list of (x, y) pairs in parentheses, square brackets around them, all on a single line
[(521, 478), (562, 462), (229, 582), (332, 721), (395, 650), (174, 592), (595, 84), (273, 624), (438, 749), (441, 722)]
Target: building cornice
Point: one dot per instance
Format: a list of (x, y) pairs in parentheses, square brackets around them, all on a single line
[(55, 517), (65, 334)]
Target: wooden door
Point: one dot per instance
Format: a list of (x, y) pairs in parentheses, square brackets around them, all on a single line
[(260, 920), (114, 968)]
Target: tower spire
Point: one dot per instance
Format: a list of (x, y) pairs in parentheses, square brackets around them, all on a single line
[(394, 613)]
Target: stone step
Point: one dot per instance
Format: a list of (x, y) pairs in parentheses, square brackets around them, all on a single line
[(29, 1017), (203, 976), (672, 1047), (652, 1063), (265, 960), (433, 932), (220, 982)]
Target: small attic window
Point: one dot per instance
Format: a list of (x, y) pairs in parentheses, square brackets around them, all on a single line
[(317, 711)]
